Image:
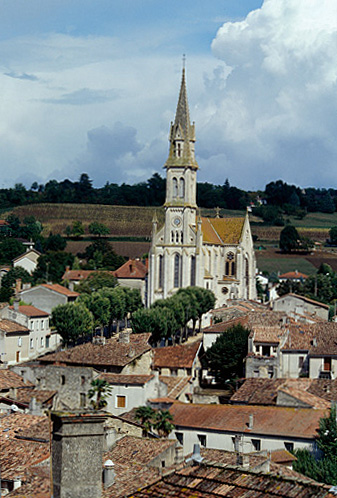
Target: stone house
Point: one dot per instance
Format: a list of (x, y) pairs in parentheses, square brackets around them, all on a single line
[(14, 342), (41, 338), (46, 296), (244, 428), (323, 352), (296, 393), (131, 391), (178, 361), (300, 305), (27, 260), (127, 354), (133, 274), (74, 277)]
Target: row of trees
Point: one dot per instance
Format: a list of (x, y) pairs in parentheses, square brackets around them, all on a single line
[(290, 199), (168, 318), (95, 310)]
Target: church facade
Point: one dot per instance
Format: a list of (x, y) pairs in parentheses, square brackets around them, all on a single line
[(214, 253)]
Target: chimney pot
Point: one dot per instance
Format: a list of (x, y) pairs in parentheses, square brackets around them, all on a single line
[(251, 421), (108, 474)]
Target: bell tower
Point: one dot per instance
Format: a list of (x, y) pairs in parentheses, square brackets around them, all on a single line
[(181, 175)]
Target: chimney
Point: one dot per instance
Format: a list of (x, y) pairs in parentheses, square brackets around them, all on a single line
[(251, 421), (108, 474), (242, 460), (124, 337), (18, 285), (16, 303), (196, 457), (77, 450), (34, 407)]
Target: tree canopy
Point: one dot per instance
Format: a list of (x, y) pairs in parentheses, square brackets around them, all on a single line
[(72, 321), (224, 359)]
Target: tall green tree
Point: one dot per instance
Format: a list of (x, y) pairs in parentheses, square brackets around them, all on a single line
[(96, 281), (8, 282), (224, 359), (72, 321), (163, 423), (145, 415), (323, 467), (10, 249)]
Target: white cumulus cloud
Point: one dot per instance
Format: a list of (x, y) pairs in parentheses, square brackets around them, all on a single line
[(275, 114)]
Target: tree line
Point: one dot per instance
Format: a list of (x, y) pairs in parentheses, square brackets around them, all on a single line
[(276, 200)]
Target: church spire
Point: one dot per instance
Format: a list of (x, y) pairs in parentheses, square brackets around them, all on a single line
[(183, 113), (182, 134)]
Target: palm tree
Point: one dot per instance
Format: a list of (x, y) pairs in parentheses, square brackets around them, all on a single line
[(163, 423), (99, 391), (146, 415)]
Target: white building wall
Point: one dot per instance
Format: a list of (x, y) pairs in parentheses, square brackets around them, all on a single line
[(225, 441)]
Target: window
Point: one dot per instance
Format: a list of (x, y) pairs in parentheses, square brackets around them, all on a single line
[(19, 341), (180, 437), (37, 324), (82, 380), (177, 271), (178, 149), (181, 188), (161, 273), (270, 372), (230, 264), (202, 440), (300, 361), (192, 270), (289, 446), (42, 324), (31, 343), (31, 325), (63, 380), (256, 443), (120, 401), (175, 187), (256, 372), (47, 341), (265, 350), (83, 400)]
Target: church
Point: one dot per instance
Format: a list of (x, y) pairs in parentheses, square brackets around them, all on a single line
[(213, 253)]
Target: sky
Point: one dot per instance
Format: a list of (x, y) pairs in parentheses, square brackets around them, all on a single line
[(92, 86)]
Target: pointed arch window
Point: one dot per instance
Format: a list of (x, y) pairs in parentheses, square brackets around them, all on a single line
[(177, 271), (174, 187), (182, 188), (161, 272), (179, 149), (230, 265), (192, 270)]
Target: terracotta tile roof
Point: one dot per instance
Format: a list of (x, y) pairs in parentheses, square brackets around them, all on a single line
[(314, 392), (60, 289), (293, 275), (132, 457), (25, 395), (180, 356), (300, 336), (305, 397), (31, 311), (10, 327), (212, 480), (77, 274), (113, 353), (306, 299), (282, 456), (175, 385), (10, 379), (289, 422), (126, 379), (326, 339), (225, 325), (36, 483), (133, 268), (268, 335), (222, 230), (18, 448)]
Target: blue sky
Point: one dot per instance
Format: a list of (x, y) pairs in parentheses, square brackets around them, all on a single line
[(91, 86)]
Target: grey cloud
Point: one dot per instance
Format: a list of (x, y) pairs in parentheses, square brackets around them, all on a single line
[(22, 76), (84, 96)]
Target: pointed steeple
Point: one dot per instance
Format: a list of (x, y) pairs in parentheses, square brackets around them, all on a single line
[(183, 113), (182, 134)]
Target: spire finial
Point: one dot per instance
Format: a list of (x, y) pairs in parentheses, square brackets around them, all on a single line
[(184, 61)]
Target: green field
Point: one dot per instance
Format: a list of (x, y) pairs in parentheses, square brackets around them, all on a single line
[(284, 265), (315, 220)]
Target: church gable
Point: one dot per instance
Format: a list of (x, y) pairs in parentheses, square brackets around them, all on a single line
[(222, 230)]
